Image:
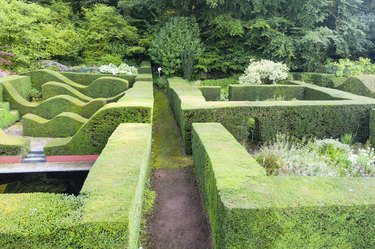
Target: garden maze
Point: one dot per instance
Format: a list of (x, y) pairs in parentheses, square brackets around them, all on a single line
[(112, 117)]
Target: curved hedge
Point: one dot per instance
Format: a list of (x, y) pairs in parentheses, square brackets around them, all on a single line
[(52, 89), (248, 209), (104, 215), (22, 84), (12, 145), (362, 85), (103, 87), (135, 107), (87, 78), (63, 125), (50, 107)]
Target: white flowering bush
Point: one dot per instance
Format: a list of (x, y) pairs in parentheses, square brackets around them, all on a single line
[(122, 69), (264, 72), (326, 157)]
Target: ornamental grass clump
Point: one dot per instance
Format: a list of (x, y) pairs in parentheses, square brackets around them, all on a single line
[(264, 72), (325, 157)]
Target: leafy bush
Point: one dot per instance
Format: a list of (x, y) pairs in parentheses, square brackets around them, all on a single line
[(35, 95), (347, 67), (122, 69), (264, 72), (223, 83), (178, 35), (161, 82)]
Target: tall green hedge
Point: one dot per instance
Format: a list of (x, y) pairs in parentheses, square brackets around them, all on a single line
[(135, 107), (248, 209), (63, 125), (50, 107), (329, 118), (87, 78), (107, 212), (265, 92), (320, 79), (211, 93)]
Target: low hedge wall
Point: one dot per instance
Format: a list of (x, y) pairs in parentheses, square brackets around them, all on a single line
[(265, 92), (104, 215), (7, 118), (248, 209), (63, 125), (320, 79), (329, 118), (52, 89), (103, 87), (50, 107), (211, 93), (362, 85), (12, 145), (135, 107), (22, 84)]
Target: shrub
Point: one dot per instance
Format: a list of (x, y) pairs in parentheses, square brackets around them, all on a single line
[(264, 72), (161, 82), (35, 95), (121, 69), (178, 35), (347, 67)]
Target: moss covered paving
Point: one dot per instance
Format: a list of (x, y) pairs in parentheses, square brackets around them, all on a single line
[(248, 209), (167, 146), (104, 215)]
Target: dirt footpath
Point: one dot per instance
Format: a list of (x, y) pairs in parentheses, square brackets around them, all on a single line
[(178, 221)]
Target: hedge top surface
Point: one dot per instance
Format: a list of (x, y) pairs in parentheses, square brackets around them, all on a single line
[(22, 84), (9, 140), (243, 185), (141, 94), (127, 150), (192, 98), (368, 80)]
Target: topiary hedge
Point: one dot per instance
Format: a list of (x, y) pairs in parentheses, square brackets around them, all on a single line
[(135, 107), (103, 87), (63, 125), (265, 92), (87, 78), (50, 107), (211, 93), (104, 215), (248, 209), (320, 79), (12, 145), (22, 84), (52, 89), (362, 85), (329, 118)]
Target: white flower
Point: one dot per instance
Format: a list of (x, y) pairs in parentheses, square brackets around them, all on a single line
[(159, 69), (122, 69)]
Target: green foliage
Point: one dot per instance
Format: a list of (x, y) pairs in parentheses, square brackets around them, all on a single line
[(347, 68), (223, 83), (347, 138), (161, 82), (35, 95), (304, 212), (347, 113), (187, 61), (178, 35), (320, 79), (211, 93), (360, 85), (63, 125), (48, 32), (12, 145), (266, 92)]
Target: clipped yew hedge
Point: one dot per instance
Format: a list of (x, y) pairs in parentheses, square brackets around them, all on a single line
[(104, 215), (248, 209), (12, 145), (211, 93), (87, 78), (362, 85), (347, 113), (63, 125)]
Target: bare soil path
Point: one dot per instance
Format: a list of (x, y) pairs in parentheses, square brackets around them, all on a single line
[(178, 220)]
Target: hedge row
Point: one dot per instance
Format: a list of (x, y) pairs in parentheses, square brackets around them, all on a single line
[(7, 118), (87, 78), (52, 89), (320, 79), (12, 145), (63, 125), (362, 85), (50, 107), (330, 118), (135, 107), (104, 215), (103, 87), (248, 209), (21, 83), (211, 93)]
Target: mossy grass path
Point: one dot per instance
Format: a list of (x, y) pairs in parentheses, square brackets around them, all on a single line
[(167, 146), (178, 220)]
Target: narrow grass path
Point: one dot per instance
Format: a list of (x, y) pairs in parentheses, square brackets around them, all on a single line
[(167, 147), (178, 220)]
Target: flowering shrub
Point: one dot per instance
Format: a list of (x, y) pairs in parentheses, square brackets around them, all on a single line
[(122, 69), (326, 157), (264, 72)]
